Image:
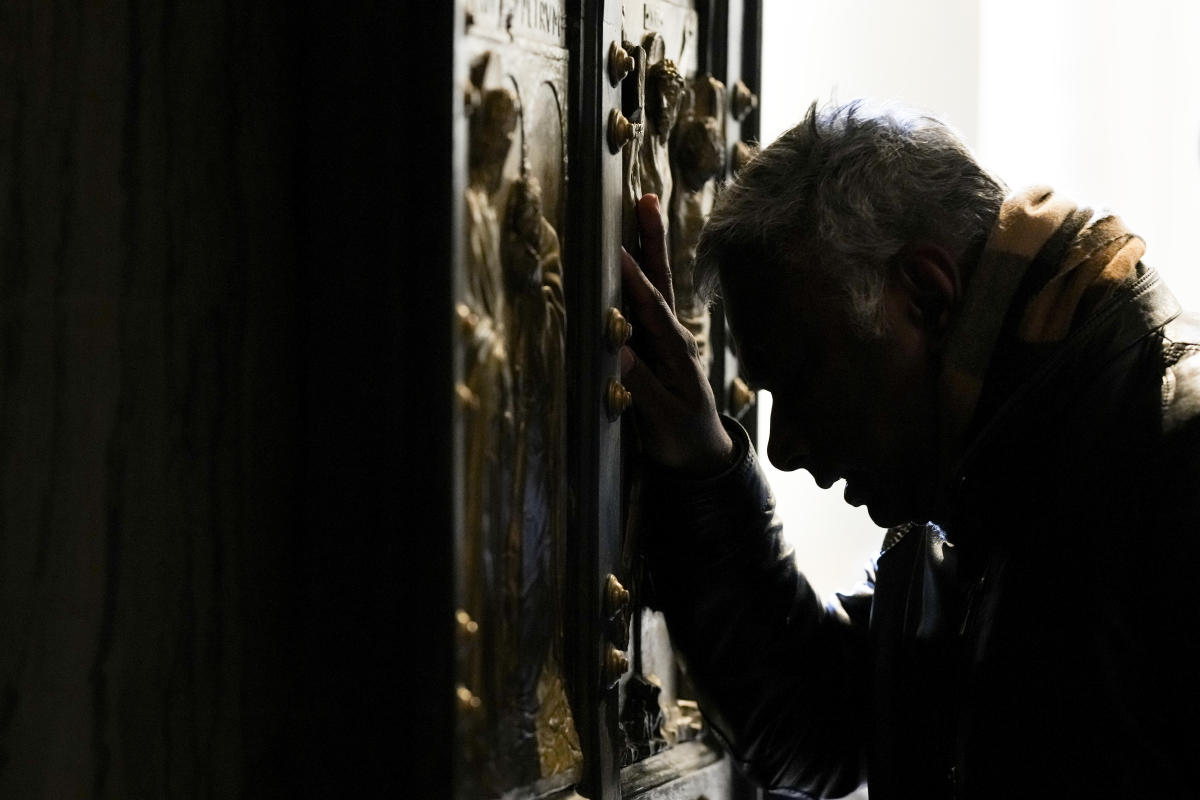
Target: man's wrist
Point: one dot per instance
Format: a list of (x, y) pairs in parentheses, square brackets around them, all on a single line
[(722, 458)]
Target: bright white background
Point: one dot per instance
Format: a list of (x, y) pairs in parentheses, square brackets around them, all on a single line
[(1100, 99)]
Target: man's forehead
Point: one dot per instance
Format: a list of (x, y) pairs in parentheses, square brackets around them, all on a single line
[(759, 321), (758, 355)]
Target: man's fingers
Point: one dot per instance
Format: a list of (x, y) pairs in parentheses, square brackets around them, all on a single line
[(665, 340), (654, 247), (649, 395), (649, 306)]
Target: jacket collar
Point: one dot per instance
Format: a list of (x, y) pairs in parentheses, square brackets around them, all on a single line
[(1126, 317)]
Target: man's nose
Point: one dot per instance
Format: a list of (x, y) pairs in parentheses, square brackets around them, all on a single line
[(787, 448)]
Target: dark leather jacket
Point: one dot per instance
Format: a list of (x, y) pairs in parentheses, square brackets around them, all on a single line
[(1042, 642)]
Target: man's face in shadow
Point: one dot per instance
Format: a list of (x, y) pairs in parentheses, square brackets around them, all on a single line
[(846, 404)]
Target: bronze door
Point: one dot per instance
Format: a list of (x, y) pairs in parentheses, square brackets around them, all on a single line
[(309, 326), (564, 683)]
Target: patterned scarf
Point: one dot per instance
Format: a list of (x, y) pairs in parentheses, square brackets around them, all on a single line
[(1046, 264)]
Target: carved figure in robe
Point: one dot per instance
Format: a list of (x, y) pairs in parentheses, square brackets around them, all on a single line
[(698, 158), (534, 553), (486, 392)]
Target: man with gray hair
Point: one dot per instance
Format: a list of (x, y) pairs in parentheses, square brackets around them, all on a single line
[(1001, 381)]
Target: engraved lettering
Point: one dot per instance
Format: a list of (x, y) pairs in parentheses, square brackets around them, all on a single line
[(541, 16)]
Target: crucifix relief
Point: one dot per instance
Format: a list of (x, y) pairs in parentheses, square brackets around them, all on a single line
[(664, 88), (672, 146), (698, 160)]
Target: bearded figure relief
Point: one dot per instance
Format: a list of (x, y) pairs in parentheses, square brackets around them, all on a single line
[(664, 90)]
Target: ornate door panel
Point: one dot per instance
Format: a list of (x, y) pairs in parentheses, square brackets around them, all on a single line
[(515, 721), (310, 322), (564, 683), (673, 112)]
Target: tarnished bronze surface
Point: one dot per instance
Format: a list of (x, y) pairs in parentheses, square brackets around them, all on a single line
[(683, 722), (690, 771), (617, 330), (621, 131), (642, 718), (620, 63), (521, 669), (616, 597), (677, 156), (616, 664), (664, 91), (743, 101), (617, 612), (699, 158), (617, 400), (557, 740), (633, 100), (516, 727)]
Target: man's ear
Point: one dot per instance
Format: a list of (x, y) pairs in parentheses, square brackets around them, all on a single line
[(930, 281)]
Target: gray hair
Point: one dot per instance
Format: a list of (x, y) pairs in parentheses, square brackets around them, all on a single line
[(842, 193)]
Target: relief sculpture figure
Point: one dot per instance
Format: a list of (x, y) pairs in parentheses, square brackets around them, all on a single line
[(513, 389), (661, 90), (534, 553), (487, 394), (663, 94), (633, 100), (698, 157)]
